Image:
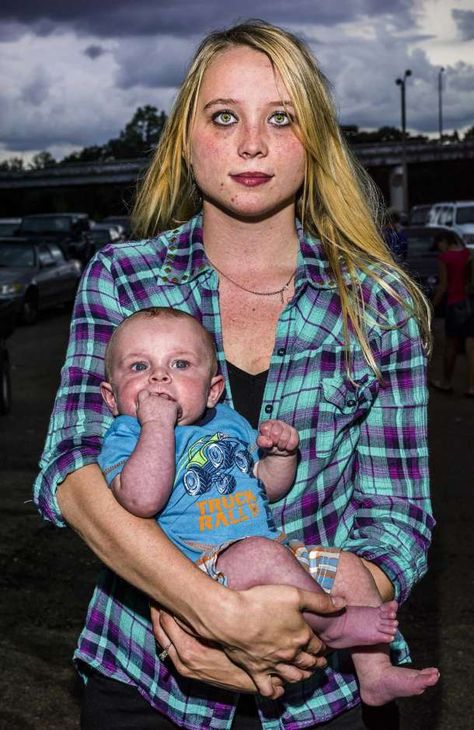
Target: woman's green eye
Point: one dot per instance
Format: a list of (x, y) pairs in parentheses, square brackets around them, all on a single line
[(281, 119), (224, 118)]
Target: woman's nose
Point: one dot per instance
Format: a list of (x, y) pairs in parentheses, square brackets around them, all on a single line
[(252, 141)]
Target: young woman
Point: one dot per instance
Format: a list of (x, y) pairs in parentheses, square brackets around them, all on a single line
[(270, 243), (455, 276)]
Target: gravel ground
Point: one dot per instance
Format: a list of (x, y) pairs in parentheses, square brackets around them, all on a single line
[(47, 574)]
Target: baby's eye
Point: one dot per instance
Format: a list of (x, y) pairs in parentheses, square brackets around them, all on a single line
[(281, 119), (137, 367), (224, 119), (180, 364)]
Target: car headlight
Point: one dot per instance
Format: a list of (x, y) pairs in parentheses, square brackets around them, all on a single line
[(469, 238), (10, 289)]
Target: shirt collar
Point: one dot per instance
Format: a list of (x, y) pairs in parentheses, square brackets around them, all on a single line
[(185, 257)]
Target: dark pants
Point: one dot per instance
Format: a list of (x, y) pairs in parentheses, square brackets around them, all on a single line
[(112, 705)]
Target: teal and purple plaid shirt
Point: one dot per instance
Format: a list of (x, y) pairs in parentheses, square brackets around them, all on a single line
[(362, 481)]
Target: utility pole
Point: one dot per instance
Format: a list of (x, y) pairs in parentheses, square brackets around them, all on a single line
[(440, 103), (401, 83)]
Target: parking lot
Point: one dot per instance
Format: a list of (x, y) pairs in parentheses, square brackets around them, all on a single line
[(47, 574)]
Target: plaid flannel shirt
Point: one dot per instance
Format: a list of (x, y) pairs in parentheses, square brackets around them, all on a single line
[(362, 481)]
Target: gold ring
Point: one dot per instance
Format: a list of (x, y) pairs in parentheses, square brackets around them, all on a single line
[(162, 656)]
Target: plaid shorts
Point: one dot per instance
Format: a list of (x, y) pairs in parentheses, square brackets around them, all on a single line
[(320, 562)]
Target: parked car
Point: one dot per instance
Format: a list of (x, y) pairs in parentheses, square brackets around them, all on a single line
[(9, 226), (121, 220), (419, 215), (7, 325), (34, 276), (70, 231), (422, 255), (458, 215)]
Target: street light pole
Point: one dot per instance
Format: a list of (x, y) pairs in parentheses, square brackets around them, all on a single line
[(401, 83), (440, 103)]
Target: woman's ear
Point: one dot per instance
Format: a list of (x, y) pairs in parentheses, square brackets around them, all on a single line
[(108, 395), (216, 388)]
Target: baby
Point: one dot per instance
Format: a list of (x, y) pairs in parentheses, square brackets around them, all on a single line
[(175, 453)]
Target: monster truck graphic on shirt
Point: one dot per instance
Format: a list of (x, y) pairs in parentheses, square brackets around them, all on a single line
[(209, 462)]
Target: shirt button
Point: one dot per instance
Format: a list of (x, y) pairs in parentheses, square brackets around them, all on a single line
[(268, 409), (351, 402), (281, 351)]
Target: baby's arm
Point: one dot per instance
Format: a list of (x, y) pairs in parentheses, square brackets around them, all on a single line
[(277, 468), (146, 480)]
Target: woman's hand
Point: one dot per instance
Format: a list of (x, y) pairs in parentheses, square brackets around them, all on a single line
[(266, 643), (199, 659)]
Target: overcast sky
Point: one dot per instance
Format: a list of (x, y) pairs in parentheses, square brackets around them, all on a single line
[(75, 71)]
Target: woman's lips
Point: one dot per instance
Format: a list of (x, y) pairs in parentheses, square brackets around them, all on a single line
[(251, 179)]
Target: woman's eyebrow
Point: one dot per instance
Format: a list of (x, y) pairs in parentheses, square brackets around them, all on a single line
[(214, 102)]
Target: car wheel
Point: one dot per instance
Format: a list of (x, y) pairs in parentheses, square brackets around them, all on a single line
[(5, 383), (243, 460), (224, 483), (29, 312), (195, 482)]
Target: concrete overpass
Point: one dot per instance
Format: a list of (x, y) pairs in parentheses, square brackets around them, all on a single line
[(382, 160)]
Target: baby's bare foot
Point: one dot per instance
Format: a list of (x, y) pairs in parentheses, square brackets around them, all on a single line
[(361, 626), (393, 682)]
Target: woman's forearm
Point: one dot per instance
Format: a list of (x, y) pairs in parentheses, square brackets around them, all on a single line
[(384, 585), (138, 551)]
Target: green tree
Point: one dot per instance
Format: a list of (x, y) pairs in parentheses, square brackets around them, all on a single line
[(12, 165), (95, 153), (140, 135), (42, 160), (469, 134)]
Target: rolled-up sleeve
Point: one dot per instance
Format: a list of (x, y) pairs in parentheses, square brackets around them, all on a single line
[(79, 417), (393, 520)]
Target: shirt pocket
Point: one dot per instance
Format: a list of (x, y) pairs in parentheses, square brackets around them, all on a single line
[(342, 406)]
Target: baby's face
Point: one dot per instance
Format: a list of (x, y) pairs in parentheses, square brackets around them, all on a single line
[(167, 357)]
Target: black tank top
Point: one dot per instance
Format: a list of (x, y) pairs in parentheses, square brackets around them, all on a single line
[(247, 395), (247, 392)]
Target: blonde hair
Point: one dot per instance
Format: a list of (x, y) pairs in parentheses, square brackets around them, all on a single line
[(338, 202), (152, 312)]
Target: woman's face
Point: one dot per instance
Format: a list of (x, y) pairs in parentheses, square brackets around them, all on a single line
[(246, 158)]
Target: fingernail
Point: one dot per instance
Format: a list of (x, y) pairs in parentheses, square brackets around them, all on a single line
[(338, 602)]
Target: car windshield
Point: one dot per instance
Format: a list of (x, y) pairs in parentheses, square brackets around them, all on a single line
[(420, 243), (465, 214), (100, 236), (51, 224), (8, 229), (13, 255), (419, 216)]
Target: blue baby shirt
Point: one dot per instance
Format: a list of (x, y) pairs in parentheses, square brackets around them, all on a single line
[(215, 496)]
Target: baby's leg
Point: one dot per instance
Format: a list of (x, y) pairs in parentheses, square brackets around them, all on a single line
[(259, 561), (380, 682)]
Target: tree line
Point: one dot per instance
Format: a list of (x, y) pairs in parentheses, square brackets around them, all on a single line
[(141, 134)]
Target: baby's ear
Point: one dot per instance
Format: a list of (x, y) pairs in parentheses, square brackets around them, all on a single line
[(215, 390), (107, 393)]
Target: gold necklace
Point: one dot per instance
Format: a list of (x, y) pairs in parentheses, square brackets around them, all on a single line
[(252, 291)]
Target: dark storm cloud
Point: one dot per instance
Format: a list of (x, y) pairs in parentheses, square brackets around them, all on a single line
[(465, 22), (112, 18), (36, 92), (94, 51)]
